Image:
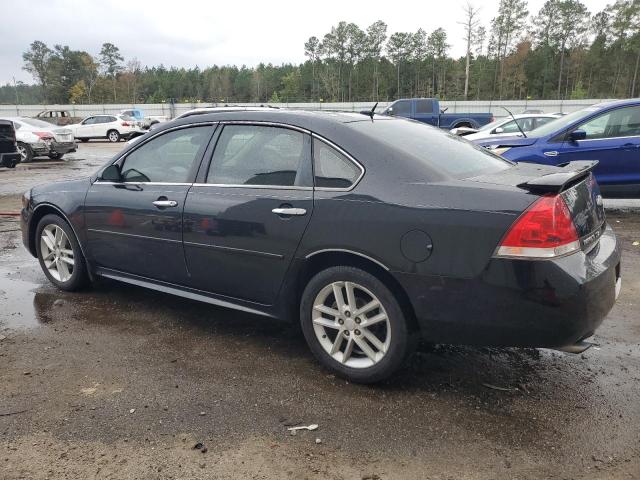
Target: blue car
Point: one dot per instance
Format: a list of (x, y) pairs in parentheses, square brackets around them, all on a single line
[(608, 132)]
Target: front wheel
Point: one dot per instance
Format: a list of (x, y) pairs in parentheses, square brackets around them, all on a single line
[(354, 325), (26, 153), (113, 136), (59, 254)]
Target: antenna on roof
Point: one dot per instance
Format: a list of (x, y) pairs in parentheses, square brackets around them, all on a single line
[(373, 111)]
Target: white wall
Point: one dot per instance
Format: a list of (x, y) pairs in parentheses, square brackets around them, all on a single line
[(516, 106)]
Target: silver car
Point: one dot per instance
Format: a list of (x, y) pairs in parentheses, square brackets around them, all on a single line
[(36, 138)]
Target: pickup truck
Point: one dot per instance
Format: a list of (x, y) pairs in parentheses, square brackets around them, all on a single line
[(141, 120), (428, 110), (608, 132)]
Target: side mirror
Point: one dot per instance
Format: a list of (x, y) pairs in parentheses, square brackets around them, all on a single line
[(111, 173), (389, 111), (499, 130), (577, 135)]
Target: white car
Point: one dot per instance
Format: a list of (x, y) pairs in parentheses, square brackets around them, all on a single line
[(36, 138), (111, 127), (506, 127)]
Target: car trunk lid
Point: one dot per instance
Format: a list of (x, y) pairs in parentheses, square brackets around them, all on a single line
[(63, 135), (573, 181)]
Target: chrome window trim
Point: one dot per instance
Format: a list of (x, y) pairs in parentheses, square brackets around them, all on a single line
[(101, 182), (348, 157), (270, 187), (265, 124), (606, 138)]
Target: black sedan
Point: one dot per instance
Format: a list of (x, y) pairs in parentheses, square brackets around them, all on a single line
[(370, 232)]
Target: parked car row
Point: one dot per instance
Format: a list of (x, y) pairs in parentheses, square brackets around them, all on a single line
[(608, 133), (35, 138)]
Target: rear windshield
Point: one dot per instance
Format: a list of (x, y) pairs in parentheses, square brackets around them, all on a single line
[(451, 155)]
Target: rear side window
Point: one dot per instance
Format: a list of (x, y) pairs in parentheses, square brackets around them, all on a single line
[(331, 168), (447, 154), (424, 106), (261, 155), (168, 157)]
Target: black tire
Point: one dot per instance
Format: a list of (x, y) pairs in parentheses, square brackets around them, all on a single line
[(403, 339), (113, 136), (26, 153), (56, 156), (84, 140), (79, 277)]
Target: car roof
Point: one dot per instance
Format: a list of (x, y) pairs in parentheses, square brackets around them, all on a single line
[(617, 103), (227, 108)]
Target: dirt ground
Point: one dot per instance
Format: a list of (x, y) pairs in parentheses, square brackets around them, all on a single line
[(118, 382)]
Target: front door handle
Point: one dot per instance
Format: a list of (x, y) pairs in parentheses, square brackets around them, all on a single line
[(289, 211), (165, 203), (551, 153)]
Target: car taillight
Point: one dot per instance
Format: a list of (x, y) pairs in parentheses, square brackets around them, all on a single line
[(544, 230), (44, 135), (125, 124)]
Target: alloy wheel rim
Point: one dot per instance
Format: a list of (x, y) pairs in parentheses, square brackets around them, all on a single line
[(23, 152), (113, 137), (351, 324), (57, 253)]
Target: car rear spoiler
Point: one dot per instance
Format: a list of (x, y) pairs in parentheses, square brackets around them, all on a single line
[(571, 173)]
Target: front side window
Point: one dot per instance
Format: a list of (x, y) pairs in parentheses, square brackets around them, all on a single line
[(261, 155), (331, 168), (401, 108), (89, 121), (511, 127), (167, 158), (623, 122)]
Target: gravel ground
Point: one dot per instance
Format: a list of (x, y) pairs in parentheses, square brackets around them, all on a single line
[(120, 382)]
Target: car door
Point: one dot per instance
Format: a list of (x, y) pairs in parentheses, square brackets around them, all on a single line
[(244, 219), (612, 138), (135, 225), (85, 128)]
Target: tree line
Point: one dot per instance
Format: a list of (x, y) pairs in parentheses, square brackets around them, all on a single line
[(562, 51)]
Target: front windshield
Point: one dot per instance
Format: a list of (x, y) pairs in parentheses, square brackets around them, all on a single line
[(562, 122), (35, 123)]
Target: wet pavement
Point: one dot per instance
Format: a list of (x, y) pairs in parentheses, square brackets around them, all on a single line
[(121, 382)]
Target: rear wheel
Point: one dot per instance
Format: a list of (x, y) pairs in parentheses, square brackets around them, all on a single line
[(84, 140), (354, 325), (59, 254), (56, 155), (26, 153), (113, 136)]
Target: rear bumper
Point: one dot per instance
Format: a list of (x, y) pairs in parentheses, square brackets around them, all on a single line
[(63, 147), (550, 303), (9, 160)]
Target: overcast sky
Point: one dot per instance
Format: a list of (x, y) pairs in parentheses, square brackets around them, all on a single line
[(186, 33)]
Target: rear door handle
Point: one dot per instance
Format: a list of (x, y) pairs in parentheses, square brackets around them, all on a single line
[(551, 153), (289, 211), (165, 203)]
